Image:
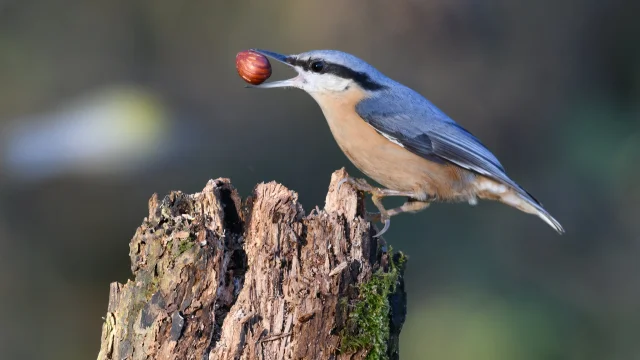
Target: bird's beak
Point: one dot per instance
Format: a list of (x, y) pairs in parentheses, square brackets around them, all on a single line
[(287, 60)]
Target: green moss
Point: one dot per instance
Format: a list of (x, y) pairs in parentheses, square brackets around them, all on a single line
[(368, 322)]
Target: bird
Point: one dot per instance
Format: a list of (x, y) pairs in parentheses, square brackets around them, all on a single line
[(401, 140)]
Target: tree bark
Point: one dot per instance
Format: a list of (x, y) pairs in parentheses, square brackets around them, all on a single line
[(218, 278)]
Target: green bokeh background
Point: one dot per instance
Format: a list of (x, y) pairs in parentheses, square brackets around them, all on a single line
[(104, 102)]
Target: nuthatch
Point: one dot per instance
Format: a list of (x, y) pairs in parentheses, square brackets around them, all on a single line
[(400, 139)]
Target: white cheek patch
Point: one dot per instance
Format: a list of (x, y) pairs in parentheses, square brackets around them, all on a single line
[(324, 82)]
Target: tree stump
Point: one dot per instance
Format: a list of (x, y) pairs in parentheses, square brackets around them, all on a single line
[(218, 278)]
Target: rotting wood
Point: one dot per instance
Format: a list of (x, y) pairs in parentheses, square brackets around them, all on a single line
[(218, 278)]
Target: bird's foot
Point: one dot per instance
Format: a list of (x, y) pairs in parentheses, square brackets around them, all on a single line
[(385, 215), (387, 224), (383, 218), (377, 193), (358, 184)]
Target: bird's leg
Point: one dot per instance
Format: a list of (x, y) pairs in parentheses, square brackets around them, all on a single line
[(383, 215), (376, 196), (411, 206)]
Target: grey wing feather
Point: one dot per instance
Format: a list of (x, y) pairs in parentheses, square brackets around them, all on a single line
[(423, 129)]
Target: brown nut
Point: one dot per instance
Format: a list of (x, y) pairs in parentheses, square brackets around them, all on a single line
[(254, 68)]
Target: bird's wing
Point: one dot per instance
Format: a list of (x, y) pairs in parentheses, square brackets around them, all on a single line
[(423, 129)]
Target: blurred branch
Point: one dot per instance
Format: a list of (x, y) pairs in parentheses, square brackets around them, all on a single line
[(216, 278)]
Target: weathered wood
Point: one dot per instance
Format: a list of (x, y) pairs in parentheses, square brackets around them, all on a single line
[(216, 278)]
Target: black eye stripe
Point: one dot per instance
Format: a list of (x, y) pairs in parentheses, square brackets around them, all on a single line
[(342, 71), (304, 64)]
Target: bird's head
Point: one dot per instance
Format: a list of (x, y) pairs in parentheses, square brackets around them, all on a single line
[(323, 72)]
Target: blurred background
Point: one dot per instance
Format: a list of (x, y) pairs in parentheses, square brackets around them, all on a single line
[(104, 102)]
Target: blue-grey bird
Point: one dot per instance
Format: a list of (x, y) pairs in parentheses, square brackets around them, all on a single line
[(400, 139)]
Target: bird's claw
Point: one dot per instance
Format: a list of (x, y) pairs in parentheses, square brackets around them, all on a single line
[(342, 181), (387, 223), (375, 217)]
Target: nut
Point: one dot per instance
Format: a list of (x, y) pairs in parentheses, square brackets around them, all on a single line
[(254, 68)]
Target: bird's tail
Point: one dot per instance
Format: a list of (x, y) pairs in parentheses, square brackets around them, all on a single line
[(517, 198), (529, 205)]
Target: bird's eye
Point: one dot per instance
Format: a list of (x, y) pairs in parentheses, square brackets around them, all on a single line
[(317, 66)]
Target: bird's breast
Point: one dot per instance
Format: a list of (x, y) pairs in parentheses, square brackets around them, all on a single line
[(388, 163)]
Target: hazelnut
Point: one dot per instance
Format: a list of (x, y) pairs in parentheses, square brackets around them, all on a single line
[(254, 68)]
